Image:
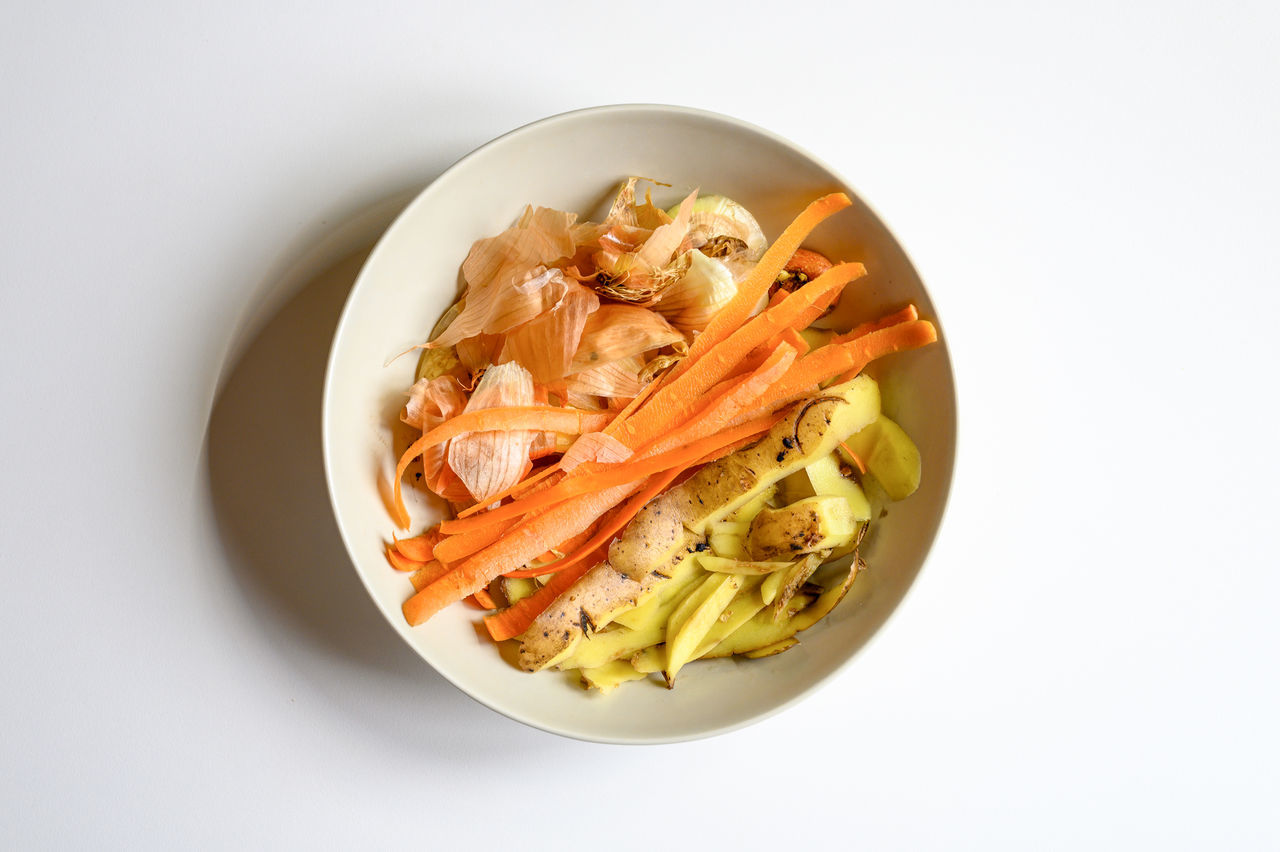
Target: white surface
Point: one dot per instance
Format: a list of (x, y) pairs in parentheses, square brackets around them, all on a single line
[(411, 279), (1088, 659)]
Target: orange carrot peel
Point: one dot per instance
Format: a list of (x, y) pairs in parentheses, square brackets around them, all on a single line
[(515, 619), (762, 276), (546, 418), (419, 548), (517, 548), (673, 402), (684, 455)]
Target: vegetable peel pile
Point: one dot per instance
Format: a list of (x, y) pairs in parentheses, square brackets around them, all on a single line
[(649, 450)]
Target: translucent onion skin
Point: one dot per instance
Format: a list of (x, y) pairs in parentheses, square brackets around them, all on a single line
[(490, 462), (717, 218), (691, 302)]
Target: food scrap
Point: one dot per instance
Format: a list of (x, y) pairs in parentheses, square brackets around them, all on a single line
[(649, 451)]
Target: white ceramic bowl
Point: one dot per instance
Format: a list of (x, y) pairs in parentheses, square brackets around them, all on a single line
[(575, 162)]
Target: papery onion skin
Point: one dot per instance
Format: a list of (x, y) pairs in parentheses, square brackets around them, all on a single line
[(491, 462), (615, 380), (620, 331), (716, 217), (545, 345), (690, 303), (510, 277), (432, 402)]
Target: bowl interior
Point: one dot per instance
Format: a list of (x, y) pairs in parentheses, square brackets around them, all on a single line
[(575, 162)]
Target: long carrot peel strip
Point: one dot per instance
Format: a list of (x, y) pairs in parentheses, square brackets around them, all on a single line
[(455, 548), (795, 311), (886, 341), (400, 562), (845, 360), (545, 418), (749, 432), (592, 551), (419, 548), (907, 314), (734, 314), (792, 337), (574, 543), (610, 528), (522, 485), (517, 548), (465, 536), (711, 414), (539, 480), (515, 619), (428, 574), (554, 559), (698, 436), (640, 399), (740, 373), (726, 410), (619, 519), (685, 454), (673, 402), (806, 314), (541, 570)]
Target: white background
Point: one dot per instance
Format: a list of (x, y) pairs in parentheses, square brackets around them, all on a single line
[(1089, 658)]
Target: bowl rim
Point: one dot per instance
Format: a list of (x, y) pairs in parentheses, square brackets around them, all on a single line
[(439, 184)]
